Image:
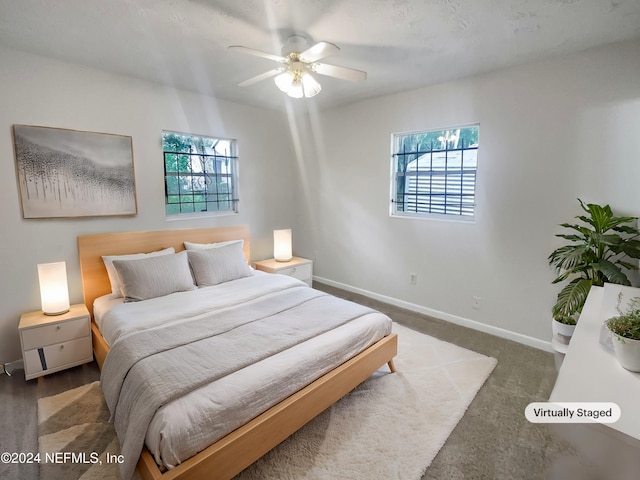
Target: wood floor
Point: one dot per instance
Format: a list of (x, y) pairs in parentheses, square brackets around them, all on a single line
[(492, 441)]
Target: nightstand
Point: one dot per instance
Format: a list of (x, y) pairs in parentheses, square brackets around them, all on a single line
[(54, 342), (300, 268)]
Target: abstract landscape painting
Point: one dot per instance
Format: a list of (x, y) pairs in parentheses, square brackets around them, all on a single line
[(70, 173)]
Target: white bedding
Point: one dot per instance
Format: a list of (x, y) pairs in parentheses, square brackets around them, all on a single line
[(116, 318), (102, 305), (189, 424)]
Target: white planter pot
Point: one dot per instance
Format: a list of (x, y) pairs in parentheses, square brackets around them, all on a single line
[(627, 352), (562, 334), (562, 329)]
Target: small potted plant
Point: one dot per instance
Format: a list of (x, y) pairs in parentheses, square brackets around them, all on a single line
[(598, 251), (625, 329)]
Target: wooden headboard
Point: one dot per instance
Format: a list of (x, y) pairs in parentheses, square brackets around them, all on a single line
[(91, 248)]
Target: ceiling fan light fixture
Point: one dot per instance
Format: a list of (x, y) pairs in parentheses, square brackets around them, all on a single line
[(296, 90), (297, 84), (284, 81), (310, 85)]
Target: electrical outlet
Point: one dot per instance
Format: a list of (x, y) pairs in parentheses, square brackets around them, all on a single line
[(476, 302), (413, 278)]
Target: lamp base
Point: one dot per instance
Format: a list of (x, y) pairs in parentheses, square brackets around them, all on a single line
[(53, 314), (284, 260)]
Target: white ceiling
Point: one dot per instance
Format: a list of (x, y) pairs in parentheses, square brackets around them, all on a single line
[(401, 44)]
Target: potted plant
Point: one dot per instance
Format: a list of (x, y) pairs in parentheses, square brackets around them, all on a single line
[(597, 253), (625, 329)]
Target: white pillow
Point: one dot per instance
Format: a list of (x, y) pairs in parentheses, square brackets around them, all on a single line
[(220, 264), (207, 246), (154, 276), (116, 287)]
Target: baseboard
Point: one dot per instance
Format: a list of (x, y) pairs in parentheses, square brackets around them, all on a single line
[(447, 317)]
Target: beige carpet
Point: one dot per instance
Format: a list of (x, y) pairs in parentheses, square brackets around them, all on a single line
[(390, 427)]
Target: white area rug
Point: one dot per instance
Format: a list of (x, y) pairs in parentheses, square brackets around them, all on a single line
[(390, 427), (77, 421)]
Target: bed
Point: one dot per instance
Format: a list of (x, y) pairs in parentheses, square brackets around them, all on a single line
[(248, 441)]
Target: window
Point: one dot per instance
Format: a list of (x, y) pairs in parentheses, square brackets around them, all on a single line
[(434, 173), (199, 174)]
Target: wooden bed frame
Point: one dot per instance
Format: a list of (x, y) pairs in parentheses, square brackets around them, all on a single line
[(233, 453)]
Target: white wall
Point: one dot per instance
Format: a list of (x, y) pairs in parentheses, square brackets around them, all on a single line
[(38, 91), (549, 132)]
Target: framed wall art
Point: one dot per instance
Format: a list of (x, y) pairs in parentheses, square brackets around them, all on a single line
[(71, 173)]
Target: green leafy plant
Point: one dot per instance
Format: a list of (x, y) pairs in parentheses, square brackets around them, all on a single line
[(597, 254), (627, 324)]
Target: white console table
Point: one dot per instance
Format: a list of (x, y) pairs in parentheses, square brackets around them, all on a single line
[(591, 373)]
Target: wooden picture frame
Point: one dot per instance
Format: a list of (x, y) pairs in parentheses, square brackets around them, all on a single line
[(72, 173)]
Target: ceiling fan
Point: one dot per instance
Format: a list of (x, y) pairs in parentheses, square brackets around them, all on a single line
[(298, 62)]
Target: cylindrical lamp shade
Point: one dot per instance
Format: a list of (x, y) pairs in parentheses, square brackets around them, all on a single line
[(282, 245), (54, 292)]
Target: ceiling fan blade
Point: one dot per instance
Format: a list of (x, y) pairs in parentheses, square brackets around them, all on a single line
[(257, 53), (262, 76), (318, 51), (343, 73)]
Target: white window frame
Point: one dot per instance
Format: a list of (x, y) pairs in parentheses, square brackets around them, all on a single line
[(225, 166), (460, 205)]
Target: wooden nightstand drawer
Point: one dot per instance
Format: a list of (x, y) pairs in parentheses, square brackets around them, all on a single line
[(301, 272), (55, 333), (58, 356)]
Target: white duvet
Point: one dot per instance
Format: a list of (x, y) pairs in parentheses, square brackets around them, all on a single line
[(189, 424)]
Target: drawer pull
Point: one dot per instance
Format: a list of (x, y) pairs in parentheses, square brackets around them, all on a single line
[(58, 327), (61, 347), (43, 361), (294, 270)]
